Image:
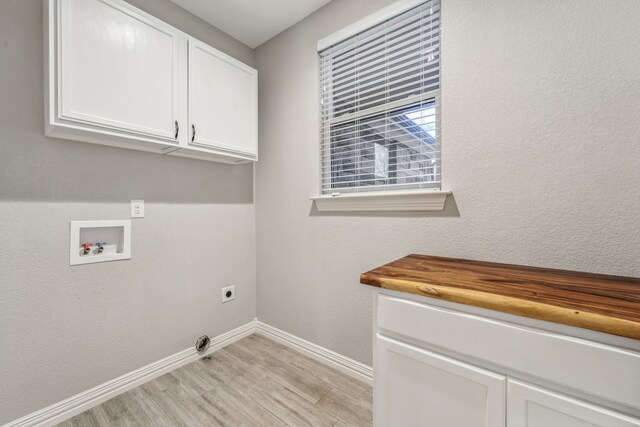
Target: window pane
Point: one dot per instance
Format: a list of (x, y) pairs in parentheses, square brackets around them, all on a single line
[(396, 147)]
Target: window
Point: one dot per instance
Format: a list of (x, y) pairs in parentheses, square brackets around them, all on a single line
[(380, 105)]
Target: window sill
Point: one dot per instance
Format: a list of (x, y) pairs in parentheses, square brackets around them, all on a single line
[(398, 201)]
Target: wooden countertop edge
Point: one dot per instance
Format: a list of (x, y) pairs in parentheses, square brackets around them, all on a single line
[(511, 305)]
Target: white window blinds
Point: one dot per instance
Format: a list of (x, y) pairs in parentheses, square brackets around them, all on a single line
[(379, 106)]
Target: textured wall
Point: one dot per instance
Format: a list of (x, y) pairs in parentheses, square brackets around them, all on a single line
[(66, 329), (541, 118)]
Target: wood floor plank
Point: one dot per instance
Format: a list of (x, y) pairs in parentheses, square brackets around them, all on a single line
[(289, 406), (197, 378), (233, 371), (305, 384), (314, 367), (138, 398), (320, 370), (179, 401), (100, 415), (234, 408), (85, 419), (258, 341), (352, 411), (117, 412), (184, 410), (162, 383), (254, 382)]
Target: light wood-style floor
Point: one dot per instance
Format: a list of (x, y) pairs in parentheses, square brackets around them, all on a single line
[(253, 382)]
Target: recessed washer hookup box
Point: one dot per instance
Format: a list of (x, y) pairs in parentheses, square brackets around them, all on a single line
[(99, 241)]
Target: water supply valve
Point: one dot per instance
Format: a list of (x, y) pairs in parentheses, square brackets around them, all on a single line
[(86, 248), (100, 247)]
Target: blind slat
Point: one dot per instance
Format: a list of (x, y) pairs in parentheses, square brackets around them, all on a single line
[(402, 21), (400, 186), (395, 91), (419, 39), (381, 130), (382, 76), (373, 178), (388, 98), (415, 100), (424, 35), (396, 167)]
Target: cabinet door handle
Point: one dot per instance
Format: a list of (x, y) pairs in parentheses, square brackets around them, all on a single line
[(193, 135), (177, 130)]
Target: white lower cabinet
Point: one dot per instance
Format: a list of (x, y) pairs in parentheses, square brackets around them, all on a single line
[(415, 387), (420, 378), (531, 406)]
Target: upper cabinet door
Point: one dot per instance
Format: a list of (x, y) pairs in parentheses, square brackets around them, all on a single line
[(531, 406), (223, 103), (415, 387), (119, 70)]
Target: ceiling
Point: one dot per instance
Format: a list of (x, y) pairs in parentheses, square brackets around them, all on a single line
[(253, 22)]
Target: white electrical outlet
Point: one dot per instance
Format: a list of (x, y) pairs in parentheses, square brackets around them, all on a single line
[(137, 209), (228, 294)]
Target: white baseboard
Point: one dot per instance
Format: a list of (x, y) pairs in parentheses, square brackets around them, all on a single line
[(344, 364), (74, 405)]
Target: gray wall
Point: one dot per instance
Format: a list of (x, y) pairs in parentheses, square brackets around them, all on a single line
[(66, 329), (541, 120)]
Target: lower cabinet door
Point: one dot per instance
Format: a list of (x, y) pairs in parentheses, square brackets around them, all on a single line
[(415, 387), (531, 406)]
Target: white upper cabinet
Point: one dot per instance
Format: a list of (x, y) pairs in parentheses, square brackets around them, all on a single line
[(223, 102), (114, 75), (118, 76)]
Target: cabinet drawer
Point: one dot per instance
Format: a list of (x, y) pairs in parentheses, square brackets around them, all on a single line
[(600, 370), (531, 406)]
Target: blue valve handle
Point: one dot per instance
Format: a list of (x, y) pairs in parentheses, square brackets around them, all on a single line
[(99, 248)]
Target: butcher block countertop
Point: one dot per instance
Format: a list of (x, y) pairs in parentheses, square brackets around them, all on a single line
[(603, 303)]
